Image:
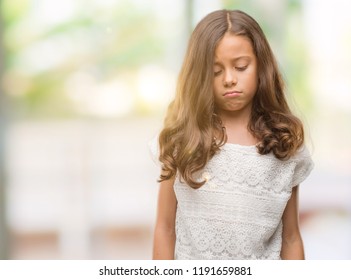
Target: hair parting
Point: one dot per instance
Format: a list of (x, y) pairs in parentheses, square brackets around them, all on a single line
[(229, 22)]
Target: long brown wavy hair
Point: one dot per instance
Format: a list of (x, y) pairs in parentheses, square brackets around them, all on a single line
[(187, 141)]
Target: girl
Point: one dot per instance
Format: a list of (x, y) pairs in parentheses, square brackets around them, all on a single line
[(231, 151)]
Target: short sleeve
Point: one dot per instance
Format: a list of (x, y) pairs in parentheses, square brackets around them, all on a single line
[(304, 166), (154, 150)]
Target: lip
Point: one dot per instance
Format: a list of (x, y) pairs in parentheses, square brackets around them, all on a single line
[(232, 93)]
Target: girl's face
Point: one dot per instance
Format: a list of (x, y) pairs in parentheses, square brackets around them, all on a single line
[(235, 74)]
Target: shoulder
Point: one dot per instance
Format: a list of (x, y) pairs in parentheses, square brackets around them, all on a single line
[(302, 154), (303, 165), (154, 150)]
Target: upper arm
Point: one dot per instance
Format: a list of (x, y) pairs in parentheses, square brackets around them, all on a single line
[(164, 235), (166, 206), (292, 245), (291, 217)]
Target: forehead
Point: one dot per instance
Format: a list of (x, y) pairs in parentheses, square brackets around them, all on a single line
[(233, 46)]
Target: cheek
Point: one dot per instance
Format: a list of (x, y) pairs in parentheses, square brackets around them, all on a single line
[(217, 85), (251, 80)]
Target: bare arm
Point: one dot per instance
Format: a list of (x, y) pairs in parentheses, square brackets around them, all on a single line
[(164, 235), (292, 245)]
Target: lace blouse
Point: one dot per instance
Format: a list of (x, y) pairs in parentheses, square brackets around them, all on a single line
[(237, 213)]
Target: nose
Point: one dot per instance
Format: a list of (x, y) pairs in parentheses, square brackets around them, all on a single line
[(229, 78)]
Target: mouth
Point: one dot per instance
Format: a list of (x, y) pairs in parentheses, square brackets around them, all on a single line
[(232, 93)]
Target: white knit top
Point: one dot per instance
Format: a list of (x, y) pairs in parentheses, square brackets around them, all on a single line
[(237, 214)]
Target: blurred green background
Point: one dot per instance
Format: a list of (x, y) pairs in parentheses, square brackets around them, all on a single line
[(85, 86)]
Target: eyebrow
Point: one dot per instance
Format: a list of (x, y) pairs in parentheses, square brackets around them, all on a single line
[(235, 58)]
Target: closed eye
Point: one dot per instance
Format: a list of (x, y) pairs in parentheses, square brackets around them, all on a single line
[(216, 73), (243, 68)]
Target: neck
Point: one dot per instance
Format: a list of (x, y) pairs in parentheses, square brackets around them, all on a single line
[(235, 118), (236, 125)]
